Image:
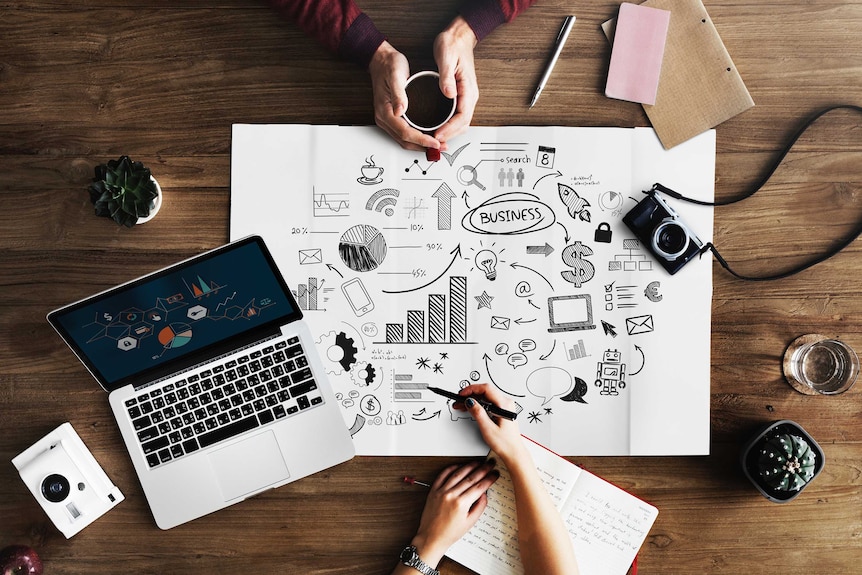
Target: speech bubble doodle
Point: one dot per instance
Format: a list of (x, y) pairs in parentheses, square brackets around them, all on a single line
[(501, 349), (549, 382), (577, 393), (516, 360), (527, 345)]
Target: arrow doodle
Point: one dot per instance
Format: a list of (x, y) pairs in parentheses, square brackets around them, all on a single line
[(545, 249), (491, 377), (556, 174), (430, 417), (331, 267), (517, 265), (444, 195), (547, 355), (456, 254), (643, 361)]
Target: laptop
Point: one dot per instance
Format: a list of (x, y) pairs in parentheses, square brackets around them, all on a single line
[(570, 313), (213, 378)]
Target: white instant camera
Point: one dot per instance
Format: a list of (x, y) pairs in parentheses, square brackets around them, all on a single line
[(66, 480)]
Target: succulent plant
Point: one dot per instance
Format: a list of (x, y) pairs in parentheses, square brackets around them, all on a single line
[(123, 190), (786, 462)]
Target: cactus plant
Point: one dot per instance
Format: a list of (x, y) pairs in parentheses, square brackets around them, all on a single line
[(781, 460), (786, 462), (124, 191)]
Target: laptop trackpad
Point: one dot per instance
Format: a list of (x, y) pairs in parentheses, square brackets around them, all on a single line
[(249, 465)]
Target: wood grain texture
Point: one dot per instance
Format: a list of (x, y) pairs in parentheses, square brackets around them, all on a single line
[(164, 81)]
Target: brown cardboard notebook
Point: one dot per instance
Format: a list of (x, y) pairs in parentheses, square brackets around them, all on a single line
[(699, 86)]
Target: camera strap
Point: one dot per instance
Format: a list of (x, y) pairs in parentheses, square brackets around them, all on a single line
[(709, 245)]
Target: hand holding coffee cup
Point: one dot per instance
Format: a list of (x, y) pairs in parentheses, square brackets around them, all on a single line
[(427, 107)]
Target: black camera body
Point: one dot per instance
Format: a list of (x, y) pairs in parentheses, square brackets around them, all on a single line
[(663, 232)]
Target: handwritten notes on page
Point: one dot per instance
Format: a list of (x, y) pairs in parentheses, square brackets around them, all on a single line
[(607, 525)]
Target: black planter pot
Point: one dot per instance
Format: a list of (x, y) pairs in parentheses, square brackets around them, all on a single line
[(749, 457)]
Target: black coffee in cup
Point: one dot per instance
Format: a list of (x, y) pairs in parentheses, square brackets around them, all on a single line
[(427, 106)]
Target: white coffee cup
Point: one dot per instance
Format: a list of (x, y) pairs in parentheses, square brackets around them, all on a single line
[(429, 106)]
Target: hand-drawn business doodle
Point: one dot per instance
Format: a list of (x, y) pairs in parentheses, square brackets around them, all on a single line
[(506, 262)]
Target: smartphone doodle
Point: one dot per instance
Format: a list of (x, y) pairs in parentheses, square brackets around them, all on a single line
[(357, 296)]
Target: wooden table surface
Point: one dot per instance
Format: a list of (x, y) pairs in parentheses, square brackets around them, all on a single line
[(82, 83)]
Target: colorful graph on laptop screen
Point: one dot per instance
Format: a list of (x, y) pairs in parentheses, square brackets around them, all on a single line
[(170, 315)]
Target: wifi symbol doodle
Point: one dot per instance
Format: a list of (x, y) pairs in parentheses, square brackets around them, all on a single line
[(383, 201)]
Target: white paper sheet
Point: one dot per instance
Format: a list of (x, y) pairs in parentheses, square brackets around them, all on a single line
[(392, 257)]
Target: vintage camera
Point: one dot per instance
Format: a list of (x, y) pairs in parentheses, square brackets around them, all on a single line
[(66, 480), (660, 228)]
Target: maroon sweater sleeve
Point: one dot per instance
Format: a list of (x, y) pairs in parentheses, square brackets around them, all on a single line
[(344, 29), (337, 24), (484, 16)]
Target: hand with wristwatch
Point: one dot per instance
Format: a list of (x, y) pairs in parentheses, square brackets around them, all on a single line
[(457, 498)]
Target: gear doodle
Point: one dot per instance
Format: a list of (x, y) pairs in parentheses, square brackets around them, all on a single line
[(339, 349), (363, 374)]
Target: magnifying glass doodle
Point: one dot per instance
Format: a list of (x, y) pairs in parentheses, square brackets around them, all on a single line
[(466, 179)]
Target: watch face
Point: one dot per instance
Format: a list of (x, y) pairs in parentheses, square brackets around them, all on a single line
[(408, 555)]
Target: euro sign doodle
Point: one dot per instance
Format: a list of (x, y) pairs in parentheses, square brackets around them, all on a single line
[(651, 292), (582, 271)]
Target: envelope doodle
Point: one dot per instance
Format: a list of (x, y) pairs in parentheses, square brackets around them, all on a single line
[(639, 324), (477, 269), (312, 256)]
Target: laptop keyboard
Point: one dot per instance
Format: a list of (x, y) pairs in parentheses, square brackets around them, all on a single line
[(223, 401)]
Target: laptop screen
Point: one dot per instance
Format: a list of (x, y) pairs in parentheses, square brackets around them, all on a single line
[(179, 316), (570, 312)]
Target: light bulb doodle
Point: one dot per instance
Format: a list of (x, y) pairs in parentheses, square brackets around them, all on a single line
[(486, 260)]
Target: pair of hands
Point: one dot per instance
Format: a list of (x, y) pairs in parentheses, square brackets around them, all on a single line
[(457, 497), (389, 69)]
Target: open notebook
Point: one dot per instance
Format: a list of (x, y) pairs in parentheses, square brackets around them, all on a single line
[(607, 524)]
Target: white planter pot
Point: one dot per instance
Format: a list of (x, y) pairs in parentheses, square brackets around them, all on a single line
[(157, 204)]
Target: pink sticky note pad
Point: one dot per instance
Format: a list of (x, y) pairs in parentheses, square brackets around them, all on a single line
[(637, 53)]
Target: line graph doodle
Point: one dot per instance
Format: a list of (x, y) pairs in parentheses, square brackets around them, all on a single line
[(330, 205)]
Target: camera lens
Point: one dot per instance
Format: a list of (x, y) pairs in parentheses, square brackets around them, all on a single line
[(55, 488), (670, 239)]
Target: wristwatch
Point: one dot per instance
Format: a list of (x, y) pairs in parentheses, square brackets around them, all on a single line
[(410, 557)]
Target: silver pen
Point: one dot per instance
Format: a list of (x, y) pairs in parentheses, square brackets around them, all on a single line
[(558, 47)]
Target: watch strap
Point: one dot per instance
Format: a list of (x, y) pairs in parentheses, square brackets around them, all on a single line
[(416, 562)]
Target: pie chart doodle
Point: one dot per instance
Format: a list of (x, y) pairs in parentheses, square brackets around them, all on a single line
[(611, 201), (175, 335), (362, 248)]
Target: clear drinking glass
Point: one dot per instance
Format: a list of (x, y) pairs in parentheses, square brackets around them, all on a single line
[(817, 364)]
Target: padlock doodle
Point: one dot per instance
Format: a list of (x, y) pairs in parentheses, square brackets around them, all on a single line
[(582, 271), (603, 233)]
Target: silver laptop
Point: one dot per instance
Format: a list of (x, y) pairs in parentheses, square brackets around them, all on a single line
[(214, 380)]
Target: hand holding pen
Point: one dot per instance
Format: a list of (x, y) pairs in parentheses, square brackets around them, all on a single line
[(502, 435), (491, 408)]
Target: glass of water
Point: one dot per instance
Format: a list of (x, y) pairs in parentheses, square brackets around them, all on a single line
[(817, 364)]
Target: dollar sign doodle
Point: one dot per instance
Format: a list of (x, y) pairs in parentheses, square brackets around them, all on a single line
[(582, 270)]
